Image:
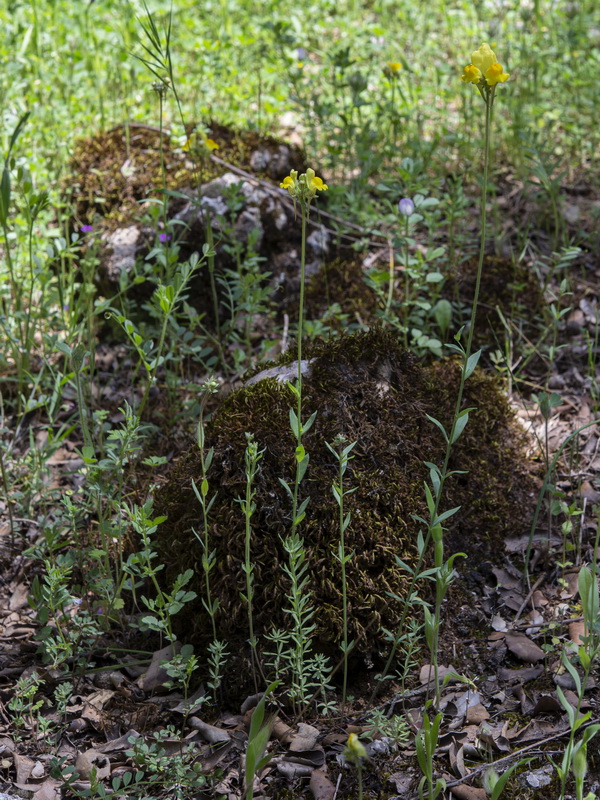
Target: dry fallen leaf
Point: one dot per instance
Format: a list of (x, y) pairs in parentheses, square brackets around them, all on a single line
[(91, 760), (465, 792), (156, 676), (210, 733), (477, 713), (282, 731), (305, 739), (523, 648), (576, 631), (49, 790), (320, 785), (23, 766)]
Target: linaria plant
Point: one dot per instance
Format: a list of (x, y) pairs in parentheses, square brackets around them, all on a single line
[(485, 73), (208, 556), (303, 190), (355, 752), (252, 457), (587, 653), (342, 455)]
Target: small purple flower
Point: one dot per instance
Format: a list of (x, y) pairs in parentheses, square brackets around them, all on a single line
[(301, 54), (86, 228), (164, 237), (406, 206)]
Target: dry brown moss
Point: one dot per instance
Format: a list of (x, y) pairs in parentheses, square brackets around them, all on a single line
[(369, 389)]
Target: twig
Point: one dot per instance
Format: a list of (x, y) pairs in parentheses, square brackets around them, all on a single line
[(528, 596), (500, 761)]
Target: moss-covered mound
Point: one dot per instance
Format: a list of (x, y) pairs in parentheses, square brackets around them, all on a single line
[(112, 172), (369, 389), (507, 286)]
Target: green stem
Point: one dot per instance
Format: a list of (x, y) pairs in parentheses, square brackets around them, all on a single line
[(444, 471), (406, 284), (344, 592), (299, 355)]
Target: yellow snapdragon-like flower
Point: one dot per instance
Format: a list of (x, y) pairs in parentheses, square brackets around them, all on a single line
[(200, 142), (303, 187), (483, 58), (290, 181), (484, 70), (355, 749), (471, 74), (314, 184), (495, 74)]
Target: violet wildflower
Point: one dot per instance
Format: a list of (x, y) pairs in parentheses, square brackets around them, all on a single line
[(301, 54), (406, 206), (86, 228), (164, 237)]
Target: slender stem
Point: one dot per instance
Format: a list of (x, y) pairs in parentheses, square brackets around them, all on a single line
[(206, 559), (390, 296), (299, 383), (344, 592), (444, 471), (251, 460), (444, 474), (5, 484), (406, 284)]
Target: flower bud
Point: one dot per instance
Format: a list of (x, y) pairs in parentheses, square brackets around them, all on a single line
[(406, 206)]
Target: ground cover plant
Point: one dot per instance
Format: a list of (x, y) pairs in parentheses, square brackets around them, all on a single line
[(298, 400)]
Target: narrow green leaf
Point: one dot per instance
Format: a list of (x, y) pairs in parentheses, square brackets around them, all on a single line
[(472, 362)]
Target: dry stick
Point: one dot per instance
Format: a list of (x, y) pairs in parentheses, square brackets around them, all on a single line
[(494, 764), (529, 596)]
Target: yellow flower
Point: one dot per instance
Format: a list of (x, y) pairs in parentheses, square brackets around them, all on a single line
[(355, 749), (495, 74), (289, 182), (317, 183), (392, 68), (484, 58), (484, 70), (314, 183), (471, 74), (305, 187), (200, 142)]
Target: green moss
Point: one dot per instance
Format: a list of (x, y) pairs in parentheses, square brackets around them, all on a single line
[(369, 389), (506, 285), (340, 281)]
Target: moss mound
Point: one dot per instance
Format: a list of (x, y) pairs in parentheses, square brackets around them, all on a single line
[(369, 389), (112, 172), (506, 285)]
